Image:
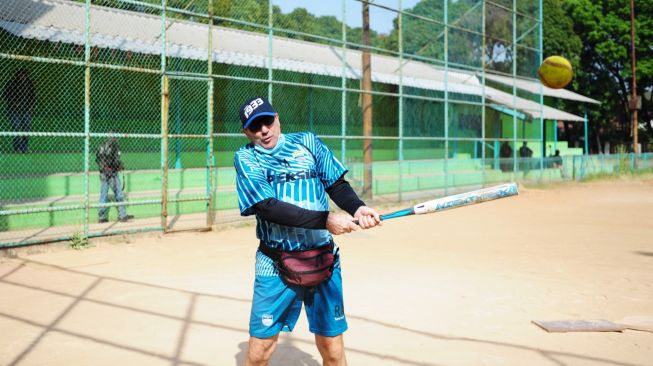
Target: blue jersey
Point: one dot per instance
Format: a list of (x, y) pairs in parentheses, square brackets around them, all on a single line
[(297, 171)]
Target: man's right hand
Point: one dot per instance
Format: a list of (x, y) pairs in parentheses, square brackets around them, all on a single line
[(340, 223)]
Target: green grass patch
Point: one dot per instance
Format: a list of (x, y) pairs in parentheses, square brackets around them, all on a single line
[(625, 175)]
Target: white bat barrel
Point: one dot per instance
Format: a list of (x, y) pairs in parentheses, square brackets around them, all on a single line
[(467, 198)]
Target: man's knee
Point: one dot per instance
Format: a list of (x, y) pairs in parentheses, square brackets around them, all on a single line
[(334, 356), (332, 349), (260, 350)]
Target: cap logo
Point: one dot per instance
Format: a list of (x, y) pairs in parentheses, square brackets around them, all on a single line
[(249, 109)]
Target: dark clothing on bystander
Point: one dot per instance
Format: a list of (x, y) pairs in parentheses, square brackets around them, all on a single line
[(19, 97)]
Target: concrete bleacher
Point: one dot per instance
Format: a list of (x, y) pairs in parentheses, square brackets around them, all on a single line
[(432, 174), (143, 188), (39, 194)]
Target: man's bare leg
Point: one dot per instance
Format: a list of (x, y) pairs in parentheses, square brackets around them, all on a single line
[(332, 350), (260, 350)]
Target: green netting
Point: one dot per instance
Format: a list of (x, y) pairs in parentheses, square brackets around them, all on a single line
[(175, 118)]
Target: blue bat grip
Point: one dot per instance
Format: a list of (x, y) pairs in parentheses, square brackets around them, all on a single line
[(392, 215), (400, 213)]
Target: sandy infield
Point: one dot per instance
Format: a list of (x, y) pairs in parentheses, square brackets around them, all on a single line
[(455, 288)]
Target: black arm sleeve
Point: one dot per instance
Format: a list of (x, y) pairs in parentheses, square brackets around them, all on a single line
[(344, 196), (287, 214)]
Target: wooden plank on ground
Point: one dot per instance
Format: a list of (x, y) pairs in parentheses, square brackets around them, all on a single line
[(590, 325)]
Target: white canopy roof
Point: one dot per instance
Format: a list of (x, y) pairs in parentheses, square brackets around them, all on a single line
[(535, 86), (530, 107), (63, 21)]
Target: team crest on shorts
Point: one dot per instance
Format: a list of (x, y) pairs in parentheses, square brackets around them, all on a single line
[(267, 319)]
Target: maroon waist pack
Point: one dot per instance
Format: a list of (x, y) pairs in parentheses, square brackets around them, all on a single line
[(305, 268)]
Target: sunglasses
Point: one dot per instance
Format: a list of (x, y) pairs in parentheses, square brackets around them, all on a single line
[(258, 123)]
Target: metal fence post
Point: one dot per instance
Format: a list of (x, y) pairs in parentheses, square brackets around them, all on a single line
[(483, 101), (209, 122), (632, 162), (270, 58), (87, 114), (165, 99), (645, 161), (343, 86), (446, 96), (401, 103)]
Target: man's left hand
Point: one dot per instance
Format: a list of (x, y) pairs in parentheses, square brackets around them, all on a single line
[(367, 217)]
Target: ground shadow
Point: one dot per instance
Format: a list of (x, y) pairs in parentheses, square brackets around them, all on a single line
[(286, 354), (646, 254), (549, 354)]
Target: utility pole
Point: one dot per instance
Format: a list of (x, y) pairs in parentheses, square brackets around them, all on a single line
[(633, 105), (367, 104)]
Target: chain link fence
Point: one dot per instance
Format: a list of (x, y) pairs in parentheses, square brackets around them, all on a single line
[(162, 80)]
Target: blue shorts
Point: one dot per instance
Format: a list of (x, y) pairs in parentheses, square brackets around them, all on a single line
[(276, 307)]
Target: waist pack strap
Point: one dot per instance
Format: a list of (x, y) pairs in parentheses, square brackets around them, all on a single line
[(275, 254)]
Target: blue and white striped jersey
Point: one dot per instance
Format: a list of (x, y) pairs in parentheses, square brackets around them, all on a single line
[(297, 171)]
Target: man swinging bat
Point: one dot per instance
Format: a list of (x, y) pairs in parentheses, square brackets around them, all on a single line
[(284, 180)]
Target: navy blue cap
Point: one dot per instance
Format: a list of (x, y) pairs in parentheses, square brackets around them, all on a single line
[(253, 108)]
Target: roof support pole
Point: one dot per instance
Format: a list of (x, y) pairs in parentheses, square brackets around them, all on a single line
[(540, 49), (585, 132), (555, 135), (543, 138)]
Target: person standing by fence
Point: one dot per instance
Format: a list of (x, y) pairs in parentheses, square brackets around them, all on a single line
[(20, 97), (525, 153), (505, 154), (109, 163)]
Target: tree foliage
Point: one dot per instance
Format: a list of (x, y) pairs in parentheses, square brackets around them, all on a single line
[(424, 32), (299, 23), (593, 35), (604, 72)]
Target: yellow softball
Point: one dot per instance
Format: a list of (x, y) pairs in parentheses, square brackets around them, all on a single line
[(555, 72)]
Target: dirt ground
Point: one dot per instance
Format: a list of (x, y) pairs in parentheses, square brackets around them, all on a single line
[(455, 288)]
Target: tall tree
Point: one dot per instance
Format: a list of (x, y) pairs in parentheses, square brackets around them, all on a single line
[(559, 39), (604, 71), (423, 31)]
